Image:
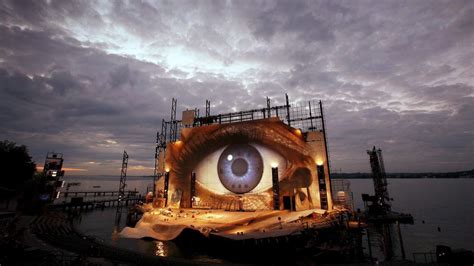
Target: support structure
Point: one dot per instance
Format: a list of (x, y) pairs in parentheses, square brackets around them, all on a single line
[(288, 110), (208, 108), (276, 188), (329, 188), (121, 194), (402, 248), (193, 188), (160, 151), (269, 110), (382, 200), (305, 118), (378, 208), (155, 170), (323, 194), (166, 187), (173, 121), (311, 115)]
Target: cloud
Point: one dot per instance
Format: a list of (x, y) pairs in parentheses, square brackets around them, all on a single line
[(91, 79)]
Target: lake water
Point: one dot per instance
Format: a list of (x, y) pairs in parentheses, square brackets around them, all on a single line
[(444, 203)]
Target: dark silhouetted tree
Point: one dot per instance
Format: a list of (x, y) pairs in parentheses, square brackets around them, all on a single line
[(16, 166)]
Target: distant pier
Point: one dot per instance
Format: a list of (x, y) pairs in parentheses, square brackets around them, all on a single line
[(88, 200)]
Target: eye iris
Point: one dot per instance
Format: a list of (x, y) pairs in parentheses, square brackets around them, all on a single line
[(244, 171)]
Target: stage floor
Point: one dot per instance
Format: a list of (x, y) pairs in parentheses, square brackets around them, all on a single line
[(164, 224)]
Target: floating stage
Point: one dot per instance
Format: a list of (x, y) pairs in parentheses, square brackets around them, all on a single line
[(162, 224), (260, 175), (268, 237)]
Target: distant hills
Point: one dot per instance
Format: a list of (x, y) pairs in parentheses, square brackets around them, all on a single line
[(461, 174)]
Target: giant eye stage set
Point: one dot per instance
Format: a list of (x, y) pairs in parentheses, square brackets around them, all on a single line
[(248, 174)]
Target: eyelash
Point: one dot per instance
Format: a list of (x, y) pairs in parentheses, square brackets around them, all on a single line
[(198, 146)]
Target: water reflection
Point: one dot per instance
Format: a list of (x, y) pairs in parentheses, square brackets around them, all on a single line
[(161, 249)]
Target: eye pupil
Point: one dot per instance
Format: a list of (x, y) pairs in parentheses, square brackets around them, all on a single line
[(240, 167)]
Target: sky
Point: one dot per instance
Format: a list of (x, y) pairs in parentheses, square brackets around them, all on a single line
[(92, 78)]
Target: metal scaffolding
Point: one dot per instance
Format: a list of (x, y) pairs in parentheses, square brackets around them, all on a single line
[(382, 200), (208, 108), (173, 122), (160, 151), (306, 116), (121, 194)]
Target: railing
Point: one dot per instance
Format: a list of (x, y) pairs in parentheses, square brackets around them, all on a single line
[(66, 194), (102, 203)]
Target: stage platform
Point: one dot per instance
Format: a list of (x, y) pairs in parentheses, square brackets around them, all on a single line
[(168, 224)]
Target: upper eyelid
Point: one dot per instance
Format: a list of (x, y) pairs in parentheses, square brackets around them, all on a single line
[(197, 145)]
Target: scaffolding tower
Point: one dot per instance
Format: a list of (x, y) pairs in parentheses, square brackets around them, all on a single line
[(208, 108), (382, 199), (121, 194)]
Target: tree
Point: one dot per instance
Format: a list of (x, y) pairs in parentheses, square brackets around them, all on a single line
[(16, 165)]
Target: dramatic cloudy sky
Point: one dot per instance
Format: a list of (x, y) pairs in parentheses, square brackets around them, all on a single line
[(92, 78)]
